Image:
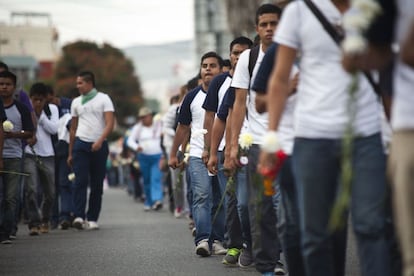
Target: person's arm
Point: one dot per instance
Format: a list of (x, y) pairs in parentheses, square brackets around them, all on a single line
[(109, 126), (182, 133), (50, 125), (217, 133), (237, 118), (278, 92), (208, 125), (72, 134)]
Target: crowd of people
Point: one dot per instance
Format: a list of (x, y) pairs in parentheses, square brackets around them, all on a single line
[(274, 155)]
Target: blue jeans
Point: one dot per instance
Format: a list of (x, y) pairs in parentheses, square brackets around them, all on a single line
[(206, 197), (288, 220), (151, 175), (89, 168), (65, 189), (316, 164)]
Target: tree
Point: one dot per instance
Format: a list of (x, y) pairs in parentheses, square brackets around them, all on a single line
[(113, 71)]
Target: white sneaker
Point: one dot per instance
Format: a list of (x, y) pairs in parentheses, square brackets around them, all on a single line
[(78, 223), (93, 225), (203, 248), (218, 248)]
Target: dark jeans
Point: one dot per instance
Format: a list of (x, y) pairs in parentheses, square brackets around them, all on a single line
[(288, 220), (316, 164), (265, 245), (89, 168), (65, 189)]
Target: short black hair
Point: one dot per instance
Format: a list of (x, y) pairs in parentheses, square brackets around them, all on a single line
[(193, 83), (226, 63), (87, 76), (267, 8), (50, 90), (4, 66), (212, 55), (38, 89), (9, 75), (242, 40)]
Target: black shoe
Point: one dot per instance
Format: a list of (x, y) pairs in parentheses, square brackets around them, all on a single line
[(4, 239), (65, 224)]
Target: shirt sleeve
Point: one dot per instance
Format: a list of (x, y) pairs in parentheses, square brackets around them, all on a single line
[(132, 142), (108, 105), (223, 111), (287, 32), (260, 82), (184, 116), (212, 99), (241, 76)]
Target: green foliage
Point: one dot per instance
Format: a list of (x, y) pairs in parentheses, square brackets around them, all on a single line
[(114, 74)]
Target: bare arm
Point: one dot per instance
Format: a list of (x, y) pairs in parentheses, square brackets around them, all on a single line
[(208, 125), (72, 133), (239, 113), (181, 135)]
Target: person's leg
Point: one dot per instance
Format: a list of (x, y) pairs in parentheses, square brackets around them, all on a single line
[(155, 179), (316, 169), (81, 167), (11, 194), (368, 205), (47, 181), (265, 246), (217, 211), (145, 166), (65, 187), (242, 194), (97, 176), (31, 192), (401, 169), (288, 220), (202, 198)]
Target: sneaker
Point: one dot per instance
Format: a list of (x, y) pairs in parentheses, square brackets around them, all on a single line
[(280, 268), (194, 231), (147, 208), (245, 258), (178, 213), (34, 231), (157, 205), (44, 228), (78, 223), (64, 225), (4, 239), (218, 248), (93, 225), (231, 257), (203, 248), (12, 237)]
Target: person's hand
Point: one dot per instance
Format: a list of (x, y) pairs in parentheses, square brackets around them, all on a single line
[(205, 156), (31, 141), (96, 146), (267, 161), (173, 162), (212, 164), (139, 149), (233, 161), (69, 160)]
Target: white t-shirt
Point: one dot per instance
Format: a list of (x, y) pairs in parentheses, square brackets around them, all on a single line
[(147, 137), (257, 123), (91, 119), (322, 97), (403, 99), (46, 127)]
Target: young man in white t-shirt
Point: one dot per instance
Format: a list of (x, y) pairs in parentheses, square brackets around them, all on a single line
[(321, 117), (92, 122), (263, 248)]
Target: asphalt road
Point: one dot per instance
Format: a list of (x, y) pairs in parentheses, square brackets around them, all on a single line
[(129, 242)]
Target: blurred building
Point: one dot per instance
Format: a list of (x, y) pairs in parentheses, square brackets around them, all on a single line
[(29, 37)]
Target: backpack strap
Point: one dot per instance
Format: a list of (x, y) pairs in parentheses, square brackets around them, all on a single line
[(253, 55)]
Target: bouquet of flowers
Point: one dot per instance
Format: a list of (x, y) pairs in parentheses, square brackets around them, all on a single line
[(8, 126), (270, 174)]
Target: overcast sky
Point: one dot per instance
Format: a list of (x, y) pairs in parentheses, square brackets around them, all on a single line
[(122, 23)]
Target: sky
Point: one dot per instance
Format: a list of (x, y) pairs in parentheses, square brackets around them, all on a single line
[(122, 23)]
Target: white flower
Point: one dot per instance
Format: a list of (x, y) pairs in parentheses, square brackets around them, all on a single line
[(245, 141), (8, 126), (71, 176), (354, 44), (244, 160), (198, 133), (157, 117), (270, 142), (355, 21), (186, 156), (369, 8)]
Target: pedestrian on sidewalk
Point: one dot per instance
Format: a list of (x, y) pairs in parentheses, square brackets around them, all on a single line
[(145, 140), (92, 122)]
